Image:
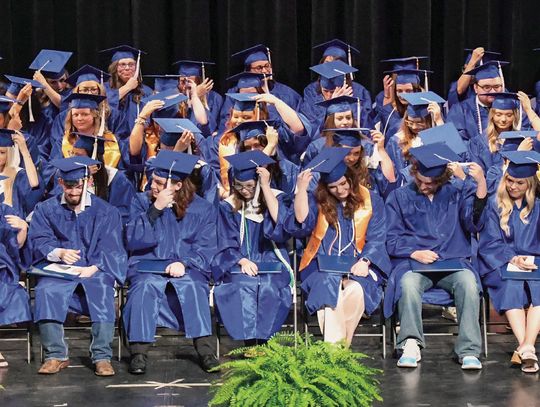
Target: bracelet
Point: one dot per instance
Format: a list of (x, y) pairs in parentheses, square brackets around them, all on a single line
[(140, 120), (20, 102)]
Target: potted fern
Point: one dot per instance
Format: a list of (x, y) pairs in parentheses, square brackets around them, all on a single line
[(288, 371)]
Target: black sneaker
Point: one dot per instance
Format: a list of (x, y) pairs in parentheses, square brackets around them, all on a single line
[(137, 365), (208, 362)]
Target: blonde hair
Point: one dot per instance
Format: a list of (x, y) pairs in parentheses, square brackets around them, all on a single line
[(69, 127), (11, 173), (506, 204), (491, 132)]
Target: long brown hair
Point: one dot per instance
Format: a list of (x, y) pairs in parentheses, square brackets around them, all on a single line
[(328, 202), (439, 181), (116, 83), (238, 199), (182, 198), (400, 107), (408, 136)]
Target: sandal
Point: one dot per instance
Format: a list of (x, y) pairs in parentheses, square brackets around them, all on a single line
[(516, 358), (3, 361), (529, 360)]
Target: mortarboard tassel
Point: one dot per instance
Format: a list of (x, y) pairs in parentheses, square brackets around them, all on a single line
[(349, 57), (31, 115), (170, 204), (258, 109), (101, 79), (138, 66), (204, 100), (101, 130), (520, 117), (269, 59), (255, 200), (501, 75), (426, 82), (358, 111), (82, 204)]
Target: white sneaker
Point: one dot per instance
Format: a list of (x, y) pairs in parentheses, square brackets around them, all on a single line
[(411, 354)]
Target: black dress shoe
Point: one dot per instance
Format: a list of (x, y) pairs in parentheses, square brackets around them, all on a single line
[(208, 362), (137, 365)]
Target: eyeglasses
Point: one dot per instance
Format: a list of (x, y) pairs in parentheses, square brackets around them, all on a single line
[(125, 65), (92, 90), (487, 88), (260, 68), (410, 123), (247, 188)]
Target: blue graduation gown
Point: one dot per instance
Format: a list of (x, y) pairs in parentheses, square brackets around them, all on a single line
[(322, 288), (251, 307), (24, 197), (464, 116), (14, 300), (97, 233), (390, 121), (443, 225), (480, 154), (493, 177), (454, 98), (127, 106), (159, 300), (497, 249)]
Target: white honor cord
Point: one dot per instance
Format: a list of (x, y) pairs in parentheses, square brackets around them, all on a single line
[(388, 121), (478, 117), (242, 223), (30, 109), (520, 117), (101, 130)]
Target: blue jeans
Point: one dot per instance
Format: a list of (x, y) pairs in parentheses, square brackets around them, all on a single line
[(462, 286), (55, 347)]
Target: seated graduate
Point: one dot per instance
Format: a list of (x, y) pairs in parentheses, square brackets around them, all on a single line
[(254, 281), (510, 235), (343, 218), (78, 229), (431, 220), (173, 230), (14, 301)]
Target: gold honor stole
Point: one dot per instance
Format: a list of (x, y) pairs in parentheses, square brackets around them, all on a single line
[(361, 220), (112, 154), (227, 146)]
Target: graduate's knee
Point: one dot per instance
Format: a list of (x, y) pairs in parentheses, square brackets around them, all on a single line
[(465, 284), (411, 284)]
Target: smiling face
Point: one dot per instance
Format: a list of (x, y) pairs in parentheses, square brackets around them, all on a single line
[(503, 119), (340, 189), (246, 189), (343, 120), (488, 85), (83, 120), (160, 183), (238, 117), (426, 185)]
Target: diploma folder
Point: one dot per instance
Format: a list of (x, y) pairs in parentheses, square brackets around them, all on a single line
[(152, 266), (439, 266), (263, 268), (39, 270), (336, 264), (513, 273)]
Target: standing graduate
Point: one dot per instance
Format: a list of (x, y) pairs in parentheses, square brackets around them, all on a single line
[(429, 220), (14, 301), (175, 228), (341, 218), (254, 280), (79, 229), (511, 233)]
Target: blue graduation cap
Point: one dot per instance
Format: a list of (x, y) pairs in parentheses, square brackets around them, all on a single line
[(249, 55), (419, 101), (336, 48), (523, 164), (504, 100), (329, 163), (433, 158), (73, 169), (173, 164), (350, 137), (512, 139), (488, 56), (405, 62), (448, 134), (243, 102), (51, 62), (121, 52), (87, 73), (23, 81), (173, 128), (171, 97), (91, 143), (247, 130), (84, 100), (5, 103), (14, 88), (244, 165), (164, 82), (404, 76), (332, 74), (6, 139), (248, 80), (192, 68), (488, 70), (338, 105)]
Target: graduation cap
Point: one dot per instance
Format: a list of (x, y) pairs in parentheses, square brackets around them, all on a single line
[(164, 82), (338, 105), (73, 169), (88, 73), (512, 139), (337, 48), (243, 102), (448, 134), (489, 70), (173, 164), (488, 56), (51, 62), (192, 68), (523, 164), (23, 81), (244, 165), (93, 144), (419, 101), (350, 137), (404, 76), (405, 62), (171, 97), (6, 139), (173, 128), (249, 55), (122, 52), (332, 74), (329, 163), (504, 100), (14, 88), (247, 130), (248, 80), (84, 100), (433, 158), (5, 103)]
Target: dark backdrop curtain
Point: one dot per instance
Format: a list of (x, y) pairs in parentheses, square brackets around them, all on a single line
[(213, 29)]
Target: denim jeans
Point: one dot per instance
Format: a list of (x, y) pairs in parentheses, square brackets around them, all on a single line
[(55, 347), (462, 286)]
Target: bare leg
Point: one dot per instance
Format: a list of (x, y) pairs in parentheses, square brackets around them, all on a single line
[(516, 319), (353, 304), (533, 326)]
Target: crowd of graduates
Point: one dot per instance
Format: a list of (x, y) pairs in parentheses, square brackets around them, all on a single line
[(194, 199)]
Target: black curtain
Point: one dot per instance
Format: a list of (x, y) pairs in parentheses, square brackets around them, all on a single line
[(213, 29)]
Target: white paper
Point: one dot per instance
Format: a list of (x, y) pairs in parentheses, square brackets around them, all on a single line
[(529, 260), (62, 268)]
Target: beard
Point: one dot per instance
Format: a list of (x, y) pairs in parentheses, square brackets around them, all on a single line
[(73, 200)]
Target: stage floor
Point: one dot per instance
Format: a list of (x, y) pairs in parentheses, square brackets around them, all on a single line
[(174, 378)]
